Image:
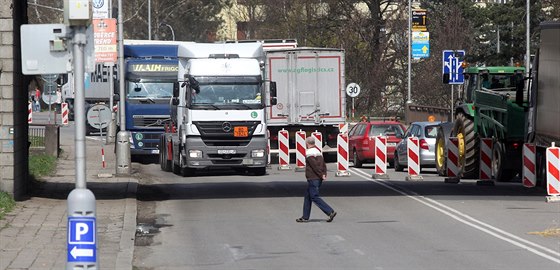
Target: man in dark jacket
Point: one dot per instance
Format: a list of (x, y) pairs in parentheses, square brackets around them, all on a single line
[(315, 172)]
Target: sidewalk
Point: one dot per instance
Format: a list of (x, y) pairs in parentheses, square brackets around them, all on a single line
[(34, 234)]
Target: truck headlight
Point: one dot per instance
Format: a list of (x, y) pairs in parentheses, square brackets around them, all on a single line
[(257, 153), (195, 153)]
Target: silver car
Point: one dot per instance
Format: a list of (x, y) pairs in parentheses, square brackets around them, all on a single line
[(426, 132)]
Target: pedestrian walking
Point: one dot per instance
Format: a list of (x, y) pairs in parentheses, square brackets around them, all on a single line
[(315, 173), (37, 105)]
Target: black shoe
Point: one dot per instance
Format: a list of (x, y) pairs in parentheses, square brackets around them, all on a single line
[(301, 219), (331, 216)]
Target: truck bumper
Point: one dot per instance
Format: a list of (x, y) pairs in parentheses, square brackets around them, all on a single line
[(145, 142), (252, 155)]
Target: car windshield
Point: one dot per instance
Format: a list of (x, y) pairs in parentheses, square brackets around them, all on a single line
[(430, 131), (386, 130), (150, 90)]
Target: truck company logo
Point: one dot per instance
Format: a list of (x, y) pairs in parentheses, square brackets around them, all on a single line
[(305, 70), (226, 127), (98, 3), (154, 68), (254, 114)]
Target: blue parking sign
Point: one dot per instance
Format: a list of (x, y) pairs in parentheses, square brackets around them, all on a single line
[(452, 67), (81, 239)]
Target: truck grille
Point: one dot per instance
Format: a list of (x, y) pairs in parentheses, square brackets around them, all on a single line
[(214, 134), (150, 121)]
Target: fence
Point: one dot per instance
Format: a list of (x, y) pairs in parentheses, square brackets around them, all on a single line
[(44, 138)]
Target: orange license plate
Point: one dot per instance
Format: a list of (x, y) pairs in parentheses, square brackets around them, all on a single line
[(240, 132)]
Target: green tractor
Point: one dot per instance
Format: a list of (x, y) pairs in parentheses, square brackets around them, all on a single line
[(487, 108)]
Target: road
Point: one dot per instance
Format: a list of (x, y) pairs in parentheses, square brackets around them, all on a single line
[(226, 220)]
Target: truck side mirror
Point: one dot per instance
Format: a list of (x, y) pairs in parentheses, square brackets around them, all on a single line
[(116, 97), (273, 94), (176, 89), (273, 90), (174, 101), (519, 86)]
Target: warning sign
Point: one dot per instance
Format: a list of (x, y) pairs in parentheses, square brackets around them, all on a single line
[(105, 40)]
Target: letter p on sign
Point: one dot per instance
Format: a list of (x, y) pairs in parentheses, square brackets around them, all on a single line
[(81, 229)]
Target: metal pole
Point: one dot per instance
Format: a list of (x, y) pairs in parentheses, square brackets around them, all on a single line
[(79, 106), (123, 145), (528, 41), (149, 19), (353, 109), (408, 100), (452, 90)]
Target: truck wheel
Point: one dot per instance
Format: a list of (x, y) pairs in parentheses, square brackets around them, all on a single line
[(398, 167), (498, 161), (441, 151), (163, 162), (357, 162), (468, 146)]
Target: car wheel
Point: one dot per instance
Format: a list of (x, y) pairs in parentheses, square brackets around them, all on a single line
[(398, 166), (357, 162)]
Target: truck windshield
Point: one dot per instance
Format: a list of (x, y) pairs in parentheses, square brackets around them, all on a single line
[(149, 90), (238, 96)]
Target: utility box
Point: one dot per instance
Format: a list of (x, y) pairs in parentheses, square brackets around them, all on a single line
[(44, 49), (77, 12)]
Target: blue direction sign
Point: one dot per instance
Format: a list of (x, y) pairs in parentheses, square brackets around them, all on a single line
[(81, 239), (453, 66)]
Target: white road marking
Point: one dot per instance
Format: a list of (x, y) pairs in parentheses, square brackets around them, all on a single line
[(359, 252), (468, 220)]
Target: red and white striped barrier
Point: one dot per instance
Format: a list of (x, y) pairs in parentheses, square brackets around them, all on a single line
[(413, 159), (553, 173), (342, 155), (452, 161), (300, 150), (380, 158), (103, 157), (529, 165), (318, 140), (64, 113), (29, 112), (343, 128), (284, 150), (485, 171)]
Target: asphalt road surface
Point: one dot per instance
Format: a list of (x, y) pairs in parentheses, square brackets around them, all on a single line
[(229, 220)]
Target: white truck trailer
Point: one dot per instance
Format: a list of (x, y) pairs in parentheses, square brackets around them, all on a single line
[(543, 125), (217, 110), (311, 94)]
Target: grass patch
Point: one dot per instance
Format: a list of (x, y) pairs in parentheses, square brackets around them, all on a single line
[(41, 165), (7, 203)]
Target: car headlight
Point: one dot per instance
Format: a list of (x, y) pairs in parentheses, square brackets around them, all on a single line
[(257, 153), (195, 153)]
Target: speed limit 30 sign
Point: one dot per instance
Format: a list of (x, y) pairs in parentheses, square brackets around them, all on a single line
[(353, 89)]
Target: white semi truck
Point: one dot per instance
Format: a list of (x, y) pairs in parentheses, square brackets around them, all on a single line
[(218, 110)]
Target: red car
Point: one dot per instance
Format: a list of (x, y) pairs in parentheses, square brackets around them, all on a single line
[(361, 140)]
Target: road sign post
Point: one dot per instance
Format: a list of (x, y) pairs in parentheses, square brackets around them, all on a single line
[(353, 90)]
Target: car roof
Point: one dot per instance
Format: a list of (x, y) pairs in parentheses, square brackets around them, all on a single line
[(426, 123), (384, 123)]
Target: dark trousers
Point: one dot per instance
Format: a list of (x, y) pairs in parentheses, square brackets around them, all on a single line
[(312, 195)]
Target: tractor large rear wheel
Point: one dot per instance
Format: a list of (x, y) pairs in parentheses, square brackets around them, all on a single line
[(441, 153), (468, 146)]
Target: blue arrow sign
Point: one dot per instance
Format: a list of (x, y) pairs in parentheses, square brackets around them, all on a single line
[(453, 66), (81, 239)]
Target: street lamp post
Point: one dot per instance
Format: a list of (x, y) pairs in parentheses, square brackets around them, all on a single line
[(149, 19), (170, 28)]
